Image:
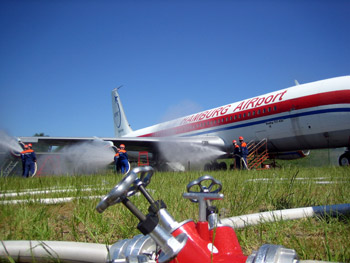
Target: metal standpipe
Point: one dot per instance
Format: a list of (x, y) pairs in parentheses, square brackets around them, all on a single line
[(149, 225), (164, 238), (139, 245)]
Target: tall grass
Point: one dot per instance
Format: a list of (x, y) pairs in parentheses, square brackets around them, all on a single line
[(245, 192)]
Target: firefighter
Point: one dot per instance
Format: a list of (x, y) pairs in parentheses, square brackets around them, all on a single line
[(30, 160), (116, 161), (237, 154), (123, 159), (244, 152), (23, 158)]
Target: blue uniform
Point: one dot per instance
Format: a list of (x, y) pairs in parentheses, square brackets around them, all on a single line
[(123, 161), (29, 159), (23, 162), (237, 154), (244, 153), (116, 162)]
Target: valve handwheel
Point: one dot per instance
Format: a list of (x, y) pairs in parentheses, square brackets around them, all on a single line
[(214, 187), (146, 173), (126, 187)]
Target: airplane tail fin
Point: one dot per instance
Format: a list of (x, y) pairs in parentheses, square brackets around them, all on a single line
[(121, 124)]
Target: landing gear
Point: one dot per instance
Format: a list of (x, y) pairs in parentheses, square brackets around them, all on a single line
[(344, 159)]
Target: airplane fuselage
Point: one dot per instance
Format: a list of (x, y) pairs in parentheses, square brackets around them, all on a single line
[(314, 115), (308, 116)]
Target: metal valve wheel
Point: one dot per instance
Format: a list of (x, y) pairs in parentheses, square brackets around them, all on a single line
[(214, 187), (146, 173), (127, 187)]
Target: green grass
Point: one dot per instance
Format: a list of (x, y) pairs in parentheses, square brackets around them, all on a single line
[(245, 192)]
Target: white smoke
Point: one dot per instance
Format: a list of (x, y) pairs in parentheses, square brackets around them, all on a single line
[(8, 143), (188, 152), (183, 108), (81, 158), (173, 151)]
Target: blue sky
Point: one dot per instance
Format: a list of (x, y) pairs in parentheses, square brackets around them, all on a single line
[(59, 60)]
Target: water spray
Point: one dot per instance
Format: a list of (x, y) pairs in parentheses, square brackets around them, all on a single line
[(177, 150), (84, 158), (8, 143)]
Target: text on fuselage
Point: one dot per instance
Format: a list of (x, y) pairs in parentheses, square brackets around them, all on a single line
[(260, 101), (244, 105)]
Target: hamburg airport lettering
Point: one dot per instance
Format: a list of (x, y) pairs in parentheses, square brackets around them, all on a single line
[(206, 114), (244, 105)]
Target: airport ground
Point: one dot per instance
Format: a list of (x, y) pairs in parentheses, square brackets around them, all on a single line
[(245, 192), (53, 164)]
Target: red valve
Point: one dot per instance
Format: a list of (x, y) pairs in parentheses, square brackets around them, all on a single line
[(218, 245)]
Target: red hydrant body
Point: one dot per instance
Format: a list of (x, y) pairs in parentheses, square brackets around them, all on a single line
[(217, 245)]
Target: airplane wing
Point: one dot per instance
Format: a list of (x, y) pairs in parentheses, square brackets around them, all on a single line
[(155, 145)]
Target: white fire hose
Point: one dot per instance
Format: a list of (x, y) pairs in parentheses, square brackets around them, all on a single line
[(286, 214), (44, 251), (41, 251)]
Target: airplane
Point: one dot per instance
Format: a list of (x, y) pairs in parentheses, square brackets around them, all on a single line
[(293, 120)]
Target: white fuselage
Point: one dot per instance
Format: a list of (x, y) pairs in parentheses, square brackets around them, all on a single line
[(308, 116)]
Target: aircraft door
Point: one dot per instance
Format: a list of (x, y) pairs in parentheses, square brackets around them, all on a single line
[(303, 126)]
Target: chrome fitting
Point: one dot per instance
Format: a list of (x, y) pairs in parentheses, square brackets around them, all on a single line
[(273, 254), (169, 245)]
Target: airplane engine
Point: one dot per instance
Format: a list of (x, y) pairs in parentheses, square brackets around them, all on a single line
[(344, 159), (289, 155)]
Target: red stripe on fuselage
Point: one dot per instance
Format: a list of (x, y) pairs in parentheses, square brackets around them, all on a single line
[(310, 101)]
